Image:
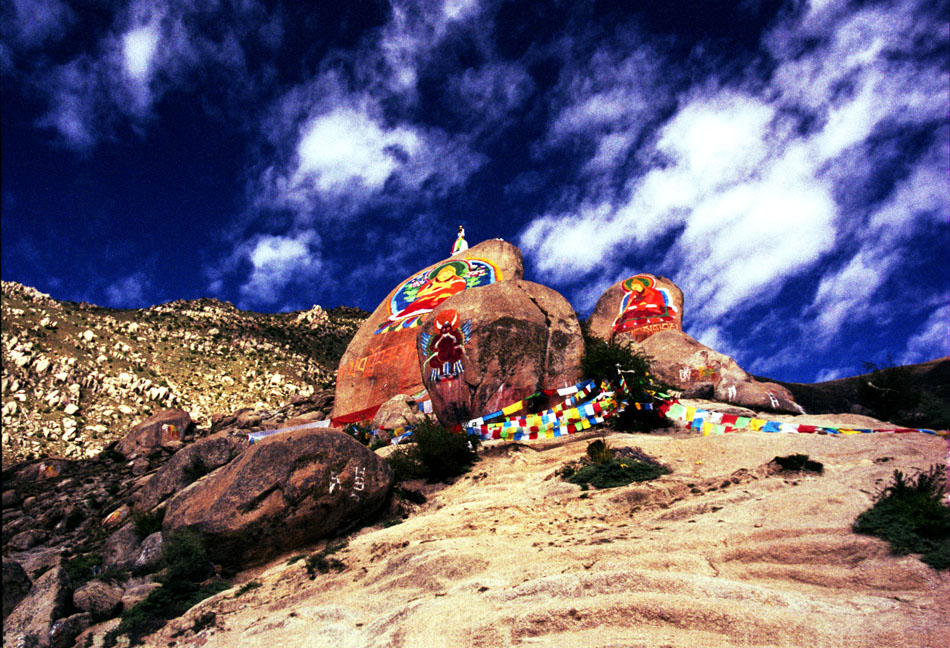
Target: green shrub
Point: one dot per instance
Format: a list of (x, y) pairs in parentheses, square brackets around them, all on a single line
[(599, 452), (186, 568), (162, 604), (438, 454), (604, 467), (619, 471), (601, 359), (322, 562), (147, 522), (82, 568), (600, 362), (184, 558), (798, 463), (247, 587), (911, 516)]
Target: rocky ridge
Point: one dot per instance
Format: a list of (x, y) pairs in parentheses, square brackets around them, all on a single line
[(76, 376)]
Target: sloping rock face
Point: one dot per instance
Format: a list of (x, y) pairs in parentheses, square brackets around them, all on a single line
[(189, 464), (483, 350), (283, 492), (29, 623), (648, 311), (163, 430), (16, 585), (380, 361)]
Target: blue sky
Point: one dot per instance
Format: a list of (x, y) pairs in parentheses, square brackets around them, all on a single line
[(786, 164)]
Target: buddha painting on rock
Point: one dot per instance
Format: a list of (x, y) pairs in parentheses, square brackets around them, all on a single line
[(644, 309), (423, 292)]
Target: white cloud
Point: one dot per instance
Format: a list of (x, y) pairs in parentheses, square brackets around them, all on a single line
[(277, 262), (347, 146), (753, 182), (932, 340), (34, 22), (485, 95), (138, 50), (829, 374), (128, 292)]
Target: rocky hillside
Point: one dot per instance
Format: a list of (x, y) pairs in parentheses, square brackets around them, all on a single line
[(77, 377)]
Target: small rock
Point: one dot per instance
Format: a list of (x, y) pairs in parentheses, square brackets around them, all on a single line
[(117, 517), (63, 633), (11, 498), (27, 539), (150, 556), (121, 548), (71, 409), (101, 600), (140, 466)]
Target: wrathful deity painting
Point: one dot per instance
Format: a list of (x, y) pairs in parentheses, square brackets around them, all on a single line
[(645, 308), (420, 294), (444, 349)]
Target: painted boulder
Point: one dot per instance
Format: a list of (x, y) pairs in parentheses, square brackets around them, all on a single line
[(283, 492), (483, 350), (648, 311), (380, 361), (638, 307)]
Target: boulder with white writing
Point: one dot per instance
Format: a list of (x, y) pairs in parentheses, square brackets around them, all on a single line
[(286, 491)]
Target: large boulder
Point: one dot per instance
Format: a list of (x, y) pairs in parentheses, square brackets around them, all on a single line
[(647, 311), (285, 491), (486, 349), (380, 361), (163, 430), (30, 622), (188, 464)]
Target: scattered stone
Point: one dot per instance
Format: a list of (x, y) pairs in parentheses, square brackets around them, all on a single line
[(122, 548), (11, 497), (398, 411), (150, 555), (283, 492), (189, 464), (116, 517)]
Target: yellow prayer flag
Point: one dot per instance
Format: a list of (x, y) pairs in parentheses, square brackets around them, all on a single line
[(511, 409)]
